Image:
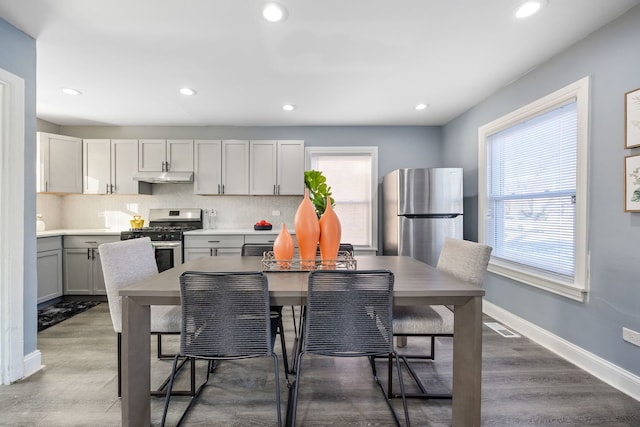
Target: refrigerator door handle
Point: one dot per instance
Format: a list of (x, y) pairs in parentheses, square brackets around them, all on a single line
[(432, 215)]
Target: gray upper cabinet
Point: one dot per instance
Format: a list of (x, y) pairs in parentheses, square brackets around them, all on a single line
[(277, 167), (290, 172), (263, 164), (235, 167), (109, 167), (257, 167), (207, 167), (160, 155), (59, 164)]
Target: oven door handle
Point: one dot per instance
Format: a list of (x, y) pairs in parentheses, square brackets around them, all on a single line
[(166, 244)]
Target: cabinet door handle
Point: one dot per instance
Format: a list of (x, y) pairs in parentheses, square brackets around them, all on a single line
[(95, 243), (112, 188), (106, 189), (274, 189), (278, 188), (213, 241), (210, 251), (93, 254), (46, 186), (215, 251), (218, 188), (222, 188), (89, 253)]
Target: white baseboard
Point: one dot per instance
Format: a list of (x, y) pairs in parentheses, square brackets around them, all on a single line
[(604, 370), (32, 363)]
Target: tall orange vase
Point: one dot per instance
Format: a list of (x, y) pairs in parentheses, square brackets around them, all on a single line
[(330, 233), (283, 248), (307, 231)]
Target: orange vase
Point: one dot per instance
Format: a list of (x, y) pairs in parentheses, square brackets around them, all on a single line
[(307, 231), (283, 248), (330, 233)]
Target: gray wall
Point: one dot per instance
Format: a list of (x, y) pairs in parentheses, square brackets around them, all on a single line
[(610, 57), (18, 56)]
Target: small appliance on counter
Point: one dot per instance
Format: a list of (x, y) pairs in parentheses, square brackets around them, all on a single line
[(136, 222), (262, 225), (166, 230)]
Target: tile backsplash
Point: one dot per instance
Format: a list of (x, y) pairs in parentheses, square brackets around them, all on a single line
[(82, 211)]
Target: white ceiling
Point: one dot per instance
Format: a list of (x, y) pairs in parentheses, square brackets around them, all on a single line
[(341, 62)]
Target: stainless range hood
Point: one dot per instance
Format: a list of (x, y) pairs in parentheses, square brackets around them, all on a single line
[(164, 177)]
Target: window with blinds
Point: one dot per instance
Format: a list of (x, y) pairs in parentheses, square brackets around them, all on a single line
[(351, 173), (533, 192)]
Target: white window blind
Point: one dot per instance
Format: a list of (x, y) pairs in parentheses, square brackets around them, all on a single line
[(532, 191)]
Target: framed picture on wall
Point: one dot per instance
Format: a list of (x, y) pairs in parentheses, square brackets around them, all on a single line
[(632, 119), (632, 183)]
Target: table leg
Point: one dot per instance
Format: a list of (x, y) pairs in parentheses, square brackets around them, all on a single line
[(136, 375), (467, 363)]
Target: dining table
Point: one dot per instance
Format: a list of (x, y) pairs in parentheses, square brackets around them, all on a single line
[(416, 283)]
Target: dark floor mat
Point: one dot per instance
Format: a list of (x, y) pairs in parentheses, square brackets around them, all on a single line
[(60, 311)]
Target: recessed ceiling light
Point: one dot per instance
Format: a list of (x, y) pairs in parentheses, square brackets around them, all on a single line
[(70, 91), (529, 7), (288, 107), (187, 91), (274, 12), (422, 106)]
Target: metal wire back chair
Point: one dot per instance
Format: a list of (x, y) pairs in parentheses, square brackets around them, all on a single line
[(349, 313), (224, 316), (258, 249)]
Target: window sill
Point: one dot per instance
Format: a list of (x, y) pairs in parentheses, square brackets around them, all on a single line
[(529, 277)]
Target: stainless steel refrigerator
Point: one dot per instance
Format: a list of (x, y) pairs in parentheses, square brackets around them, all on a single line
[(420, 208)]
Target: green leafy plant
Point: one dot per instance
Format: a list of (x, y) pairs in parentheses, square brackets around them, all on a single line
[(316, 182)]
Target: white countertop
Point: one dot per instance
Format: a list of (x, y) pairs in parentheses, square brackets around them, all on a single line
[(219, 231), (110, 232), (79, 232)]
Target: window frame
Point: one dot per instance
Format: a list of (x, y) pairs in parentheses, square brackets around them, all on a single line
[(577, 288), (371, 151)]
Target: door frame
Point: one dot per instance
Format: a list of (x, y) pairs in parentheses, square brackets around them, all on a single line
[(12, 161)]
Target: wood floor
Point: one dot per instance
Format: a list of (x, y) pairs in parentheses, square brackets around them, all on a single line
[(523, 385)]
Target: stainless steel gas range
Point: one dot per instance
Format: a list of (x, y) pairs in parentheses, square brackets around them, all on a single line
[(166, 230)]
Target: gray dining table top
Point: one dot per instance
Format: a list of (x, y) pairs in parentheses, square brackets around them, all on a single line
[(414, 281)]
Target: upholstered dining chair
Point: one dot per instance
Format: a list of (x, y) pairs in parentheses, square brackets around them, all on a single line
[(225, 316), (462, 259), (124, 263), (349, 313)]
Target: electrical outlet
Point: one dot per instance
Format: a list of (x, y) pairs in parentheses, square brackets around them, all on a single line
[(631, 336), (275, 213)]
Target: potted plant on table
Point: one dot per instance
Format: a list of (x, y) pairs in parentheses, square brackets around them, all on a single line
[(316, 182)]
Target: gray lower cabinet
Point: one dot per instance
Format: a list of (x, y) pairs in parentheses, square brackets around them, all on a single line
[(197, 246), (212, 245), (49, 266), (82, 267)]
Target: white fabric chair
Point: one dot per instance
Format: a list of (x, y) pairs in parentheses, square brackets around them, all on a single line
[(462, 259), (124, 263)]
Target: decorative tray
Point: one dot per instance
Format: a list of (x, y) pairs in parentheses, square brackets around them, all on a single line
[(344, 261)]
